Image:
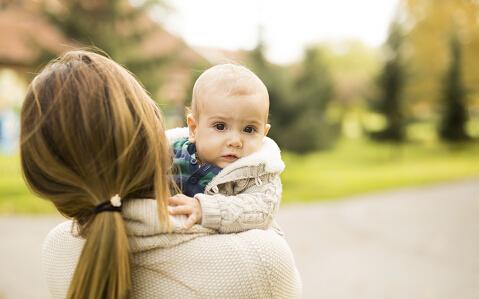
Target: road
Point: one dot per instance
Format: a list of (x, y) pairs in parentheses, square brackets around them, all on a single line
[(411, 243)]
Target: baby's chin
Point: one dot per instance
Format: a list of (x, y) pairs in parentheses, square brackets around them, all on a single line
[(222, 163)]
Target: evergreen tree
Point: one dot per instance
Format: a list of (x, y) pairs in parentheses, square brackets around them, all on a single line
[(390, 85), (453, 112), (281, 111), (298, 107), (116, 27), (314, 89)]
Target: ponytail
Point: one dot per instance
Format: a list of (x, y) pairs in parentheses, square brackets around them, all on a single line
[(103, 269)]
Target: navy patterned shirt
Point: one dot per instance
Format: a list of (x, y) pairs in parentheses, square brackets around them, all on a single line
[(189, 175)]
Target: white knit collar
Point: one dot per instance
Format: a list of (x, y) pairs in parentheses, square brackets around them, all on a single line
[(269, 155)]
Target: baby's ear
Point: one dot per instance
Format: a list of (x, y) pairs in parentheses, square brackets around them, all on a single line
[(192, 125), (266, 129)]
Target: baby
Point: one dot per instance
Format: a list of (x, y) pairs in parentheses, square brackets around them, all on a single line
[(227, 169)]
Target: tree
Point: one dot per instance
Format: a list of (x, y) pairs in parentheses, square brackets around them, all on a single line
[(282, 112), (427, 40), (453, 112), (390, 85), (352, 65), (116, 27), (314, 89), (298, 105)]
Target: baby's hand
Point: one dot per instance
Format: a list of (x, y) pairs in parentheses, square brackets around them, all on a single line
[(181, 204)]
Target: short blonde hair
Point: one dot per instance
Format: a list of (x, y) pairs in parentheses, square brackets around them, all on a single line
[(232, 79)]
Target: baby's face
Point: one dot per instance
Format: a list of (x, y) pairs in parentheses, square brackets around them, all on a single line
[(227, 128)]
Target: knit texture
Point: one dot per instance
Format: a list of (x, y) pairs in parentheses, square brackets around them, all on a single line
[(228, 210), (185, 264)]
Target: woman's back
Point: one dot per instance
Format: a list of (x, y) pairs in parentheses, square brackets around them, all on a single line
[(195, 264)]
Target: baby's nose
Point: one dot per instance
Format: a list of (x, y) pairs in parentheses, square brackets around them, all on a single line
[(235, 140)]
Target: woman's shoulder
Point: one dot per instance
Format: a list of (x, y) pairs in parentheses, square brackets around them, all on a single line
[(61, 236), (60, 253), (258, 258)]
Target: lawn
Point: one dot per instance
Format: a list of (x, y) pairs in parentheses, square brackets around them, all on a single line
[(357, 167), (14, 195), (353, 167)]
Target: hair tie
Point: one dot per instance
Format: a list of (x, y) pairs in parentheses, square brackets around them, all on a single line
[(113, 205)]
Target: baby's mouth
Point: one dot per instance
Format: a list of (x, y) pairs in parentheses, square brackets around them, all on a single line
[(230, 157)]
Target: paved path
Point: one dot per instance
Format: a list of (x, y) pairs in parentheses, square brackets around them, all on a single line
[(408, 244), (417, 243)]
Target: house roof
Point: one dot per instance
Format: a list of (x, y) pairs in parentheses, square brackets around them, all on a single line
[(25, 32)]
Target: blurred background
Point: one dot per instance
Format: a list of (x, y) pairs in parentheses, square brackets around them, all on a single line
[(366, 95), (374, 103)]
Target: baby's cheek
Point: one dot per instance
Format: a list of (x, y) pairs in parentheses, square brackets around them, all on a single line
[(202, 151), (254, 146)]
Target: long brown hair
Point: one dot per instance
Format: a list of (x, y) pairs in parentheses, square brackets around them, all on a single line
[(89, 131)]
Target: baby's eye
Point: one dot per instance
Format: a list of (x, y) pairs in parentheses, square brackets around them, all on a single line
[(249, 129), (219, 126)]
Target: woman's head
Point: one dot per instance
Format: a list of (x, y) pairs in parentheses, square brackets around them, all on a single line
[(89, 131)]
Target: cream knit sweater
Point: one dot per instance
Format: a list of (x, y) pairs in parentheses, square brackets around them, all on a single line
[(186, 264)]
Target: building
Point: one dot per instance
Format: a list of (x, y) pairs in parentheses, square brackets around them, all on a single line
[(26, 34)]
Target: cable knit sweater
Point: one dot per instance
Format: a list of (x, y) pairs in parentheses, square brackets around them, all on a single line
[(185, 264), (245, 194)]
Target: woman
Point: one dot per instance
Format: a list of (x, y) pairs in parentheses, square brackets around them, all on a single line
[(93, 143)]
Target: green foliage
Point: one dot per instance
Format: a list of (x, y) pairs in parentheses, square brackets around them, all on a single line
[(453, 112), (353, 66), (428, 48), (298, 105), (116, 27), (194, 75), (314, 91), (390, 87), (282, 110), (14, 194)]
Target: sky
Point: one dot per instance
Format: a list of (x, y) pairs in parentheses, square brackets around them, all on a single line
[(287, 25)]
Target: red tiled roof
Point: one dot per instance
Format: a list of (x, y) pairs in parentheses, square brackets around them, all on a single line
[(23, 34)]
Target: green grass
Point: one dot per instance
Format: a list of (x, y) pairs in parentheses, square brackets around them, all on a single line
[(357, 167), (353, 167), (14, 195)]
